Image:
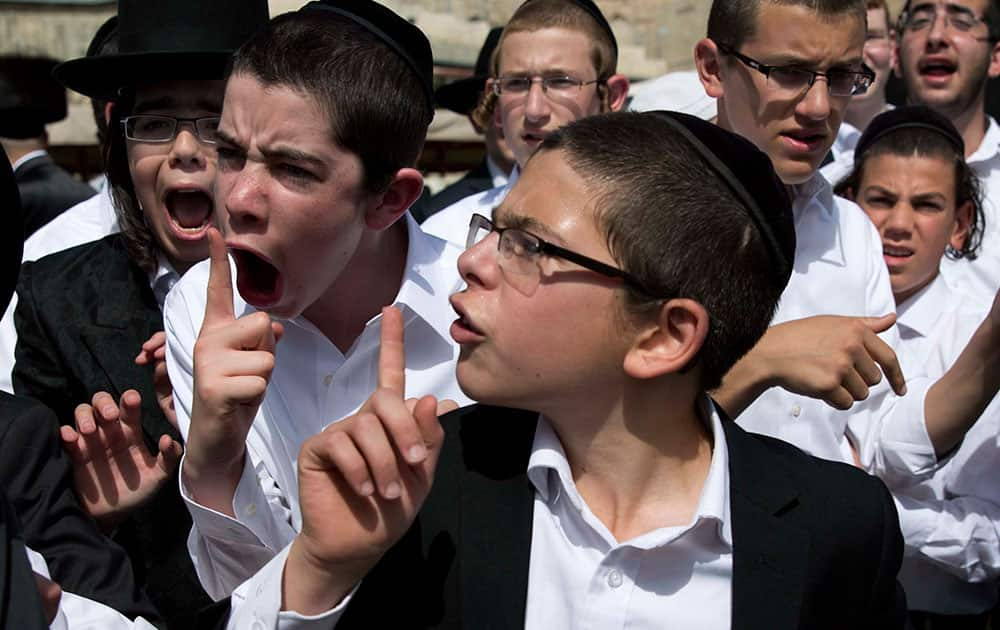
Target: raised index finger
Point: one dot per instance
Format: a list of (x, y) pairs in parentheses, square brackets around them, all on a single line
[(884, 355), (391, 356), (219, 298)]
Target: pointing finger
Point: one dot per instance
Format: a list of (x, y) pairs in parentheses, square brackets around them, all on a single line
[(391, 356), (219, 298)]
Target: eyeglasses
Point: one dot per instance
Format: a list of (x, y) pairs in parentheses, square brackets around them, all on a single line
[(521, 85), (154, 128), (520, 252), (794, 81), (957, 19)]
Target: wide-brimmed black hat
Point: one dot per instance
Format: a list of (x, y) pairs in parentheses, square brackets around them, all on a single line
[(463, 95), (12, 233), (29, 97), (165, 40)]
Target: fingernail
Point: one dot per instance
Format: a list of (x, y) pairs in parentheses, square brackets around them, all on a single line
[(367, 488), (107, 411), (392, 490), (417, 453)]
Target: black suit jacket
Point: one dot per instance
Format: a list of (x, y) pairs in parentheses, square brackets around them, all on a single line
[(46, 191), (475, 181), (35, 475), (816, 543), (81, 318), (20, 605)]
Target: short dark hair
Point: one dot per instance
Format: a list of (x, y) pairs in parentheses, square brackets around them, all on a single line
[(375, 104), (921, 142), (732, 22), (671, 221)]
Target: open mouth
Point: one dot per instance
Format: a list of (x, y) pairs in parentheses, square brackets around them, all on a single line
[(190, 211), (896, 251), (462, 329), (805, 140), (258, 281), (937, 69)]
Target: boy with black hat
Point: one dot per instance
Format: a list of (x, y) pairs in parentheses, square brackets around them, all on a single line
[(597, 485), (556, 62), (462, 97), (315, 178), (83, 314), (30, 99)]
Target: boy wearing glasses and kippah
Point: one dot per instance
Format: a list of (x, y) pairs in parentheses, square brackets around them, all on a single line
[(948, 51), (784, 73), (556, 62)]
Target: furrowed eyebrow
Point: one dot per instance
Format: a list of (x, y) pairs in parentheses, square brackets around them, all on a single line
[(224, 138), (293, 155), (527, 224)]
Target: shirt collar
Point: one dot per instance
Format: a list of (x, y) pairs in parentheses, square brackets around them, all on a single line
[(923, 309), (30, 155), (549, 472), (162, 279), (496, 173), (816, 213), (990, 146)]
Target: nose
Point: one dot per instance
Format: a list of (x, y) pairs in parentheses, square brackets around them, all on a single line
[(938, 29), (898, 222), (536, 103), (186, 151), (478, 265), (815, 105), (243, 198)]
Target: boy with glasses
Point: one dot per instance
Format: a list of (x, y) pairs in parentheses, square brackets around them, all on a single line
[(784, 74), (948, 51), (555, 63)]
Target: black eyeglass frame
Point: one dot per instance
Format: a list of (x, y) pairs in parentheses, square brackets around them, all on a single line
[(766, 70), (479, 222), (903, 25), (177, 125)]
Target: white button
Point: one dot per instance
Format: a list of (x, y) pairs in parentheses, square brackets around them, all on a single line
[(614, 579), (796, 411), (251, 509), (328, 379)]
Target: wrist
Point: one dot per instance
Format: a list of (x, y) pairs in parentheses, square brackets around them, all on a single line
[(212, 485), (312, 586)]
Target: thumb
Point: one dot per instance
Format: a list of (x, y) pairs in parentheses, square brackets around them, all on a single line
[(880, 324)]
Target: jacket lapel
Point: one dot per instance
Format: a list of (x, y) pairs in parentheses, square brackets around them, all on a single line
[(497, 504), (127, 315), (770, 554)]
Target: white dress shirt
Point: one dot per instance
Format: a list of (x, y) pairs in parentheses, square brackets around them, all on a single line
[(950, 520), (839, 270), (255, 605), (452, 223), (87, 221), (581, 577), (312, 385), (981, 277), (497, 174)]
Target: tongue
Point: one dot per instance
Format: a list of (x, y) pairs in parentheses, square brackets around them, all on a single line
[(190, 209)]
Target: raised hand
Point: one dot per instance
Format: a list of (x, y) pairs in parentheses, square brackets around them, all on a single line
[(113, 471), (154, 352), (835, 359), (233, 360), (362, 482)]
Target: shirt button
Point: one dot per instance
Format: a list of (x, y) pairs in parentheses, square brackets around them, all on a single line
[(796, 411), (328, 379), (614, 579), (251, 509)]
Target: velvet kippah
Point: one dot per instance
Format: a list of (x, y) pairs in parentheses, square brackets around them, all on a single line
[(910, 117), (749, 174), (595, 12), (404, 38)]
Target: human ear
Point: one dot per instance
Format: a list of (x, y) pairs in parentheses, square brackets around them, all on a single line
[(669, 342), (404, 189), (963, 223), (617, 86), (708, 62)]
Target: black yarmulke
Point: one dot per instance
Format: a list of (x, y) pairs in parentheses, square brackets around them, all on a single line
[(750, 176), (909, 117), (595, 12), (403, 37)]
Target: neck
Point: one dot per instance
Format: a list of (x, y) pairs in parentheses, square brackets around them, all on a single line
[(860, 113), (17, 149), (972, 125), (370, 281), (639, 460)]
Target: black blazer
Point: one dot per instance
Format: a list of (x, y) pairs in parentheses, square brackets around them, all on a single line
[(46, 191), (20, 604), (816, 543), (35, 475), (475, 181), (81, 317)]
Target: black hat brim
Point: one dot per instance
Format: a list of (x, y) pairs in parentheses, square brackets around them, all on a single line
[(102, 78), (461, 96)]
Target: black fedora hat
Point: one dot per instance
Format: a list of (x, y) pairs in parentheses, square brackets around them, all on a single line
[(29, 97), (462, 96), (170, 39)]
